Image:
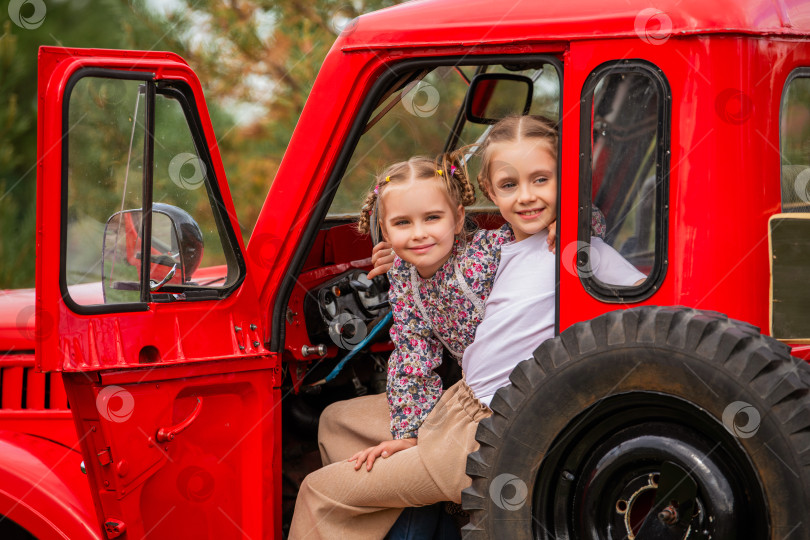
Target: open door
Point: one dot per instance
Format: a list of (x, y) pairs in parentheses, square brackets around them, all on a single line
[(145, 302)]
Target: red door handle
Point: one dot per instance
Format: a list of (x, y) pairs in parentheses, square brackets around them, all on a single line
[(167, 434)]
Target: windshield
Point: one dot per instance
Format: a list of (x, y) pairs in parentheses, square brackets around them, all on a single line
[(421, 115)]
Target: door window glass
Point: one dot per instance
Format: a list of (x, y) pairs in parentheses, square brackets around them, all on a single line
[(626, 114), (105, 141), (121, 135), (795, 145), (181, 181)]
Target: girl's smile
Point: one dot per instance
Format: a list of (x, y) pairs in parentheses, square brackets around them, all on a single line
[(529, 214), (420, 224)]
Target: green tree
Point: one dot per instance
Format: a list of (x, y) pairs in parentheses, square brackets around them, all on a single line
[(17, 157), (72, 24)]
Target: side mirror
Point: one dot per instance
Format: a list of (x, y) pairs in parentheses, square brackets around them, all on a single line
[(176, 252), (493, 96)]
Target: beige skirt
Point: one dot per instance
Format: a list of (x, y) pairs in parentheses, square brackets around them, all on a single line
[(339, 502)]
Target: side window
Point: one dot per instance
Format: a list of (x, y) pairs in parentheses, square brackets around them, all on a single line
[(625, 126), (788, 233), (794, 126), (130, 144), (183, 180)]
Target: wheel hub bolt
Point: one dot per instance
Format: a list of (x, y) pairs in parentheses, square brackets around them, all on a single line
[(668, 516)]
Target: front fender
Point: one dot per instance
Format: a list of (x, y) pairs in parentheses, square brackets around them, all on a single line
[(43, 490)]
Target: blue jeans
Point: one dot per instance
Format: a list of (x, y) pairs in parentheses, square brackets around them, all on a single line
[(424, 523)]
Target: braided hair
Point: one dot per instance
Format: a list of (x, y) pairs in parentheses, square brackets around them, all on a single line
[(448, 168)]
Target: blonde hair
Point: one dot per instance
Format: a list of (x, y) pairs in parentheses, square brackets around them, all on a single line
[(513, 129), (448, 168)]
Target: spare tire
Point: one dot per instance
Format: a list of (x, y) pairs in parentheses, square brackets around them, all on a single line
[(654, 422)]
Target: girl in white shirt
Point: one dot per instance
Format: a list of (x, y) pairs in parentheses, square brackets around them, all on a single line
[(519, 174)]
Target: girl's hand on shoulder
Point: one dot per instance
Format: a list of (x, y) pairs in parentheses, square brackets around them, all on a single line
[(552, 237), (384, 450), (382, 256)]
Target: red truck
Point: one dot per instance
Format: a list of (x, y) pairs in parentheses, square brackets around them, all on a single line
[(188, 390)]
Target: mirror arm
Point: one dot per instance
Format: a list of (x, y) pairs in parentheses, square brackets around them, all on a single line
[(154, 286)]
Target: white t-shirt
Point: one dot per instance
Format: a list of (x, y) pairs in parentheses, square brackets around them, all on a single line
[(520, 311)]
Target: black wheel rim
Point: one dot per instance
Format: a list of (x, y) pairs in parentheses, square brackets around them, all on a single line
[(601, 477)]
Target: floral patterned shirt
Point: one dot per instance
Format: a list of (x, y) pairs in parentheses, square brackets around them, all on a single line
[(441, 311), (429, 314)]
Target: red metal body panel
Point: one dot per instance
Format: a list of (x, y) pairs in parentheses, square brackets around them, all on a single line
[(218, 477), (42, 488), (17, 320), (718, 248), (442, 23)]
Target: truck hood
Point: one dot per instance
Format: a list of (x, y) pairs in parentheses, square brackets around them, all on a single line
[(17, 320), (18, 309)]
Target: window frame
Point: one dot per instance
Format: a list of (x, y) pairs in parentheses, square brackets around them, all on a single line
[(599, 290), (176, 89), (802, 72)]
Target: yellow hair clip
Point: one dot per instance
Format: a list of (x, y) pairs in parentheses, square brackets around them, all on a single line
[(387, 178), (439, 172)]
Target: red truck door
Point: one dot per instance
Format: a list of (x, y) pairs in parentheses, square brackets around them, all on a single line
[(145, 301)]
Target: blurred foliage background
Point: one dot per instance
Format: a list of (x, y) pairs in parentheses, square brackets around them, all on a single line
[(257, 61)]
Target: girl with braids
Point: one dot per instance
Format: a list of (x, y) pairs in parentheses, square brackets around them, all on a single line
[(440, 279)]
